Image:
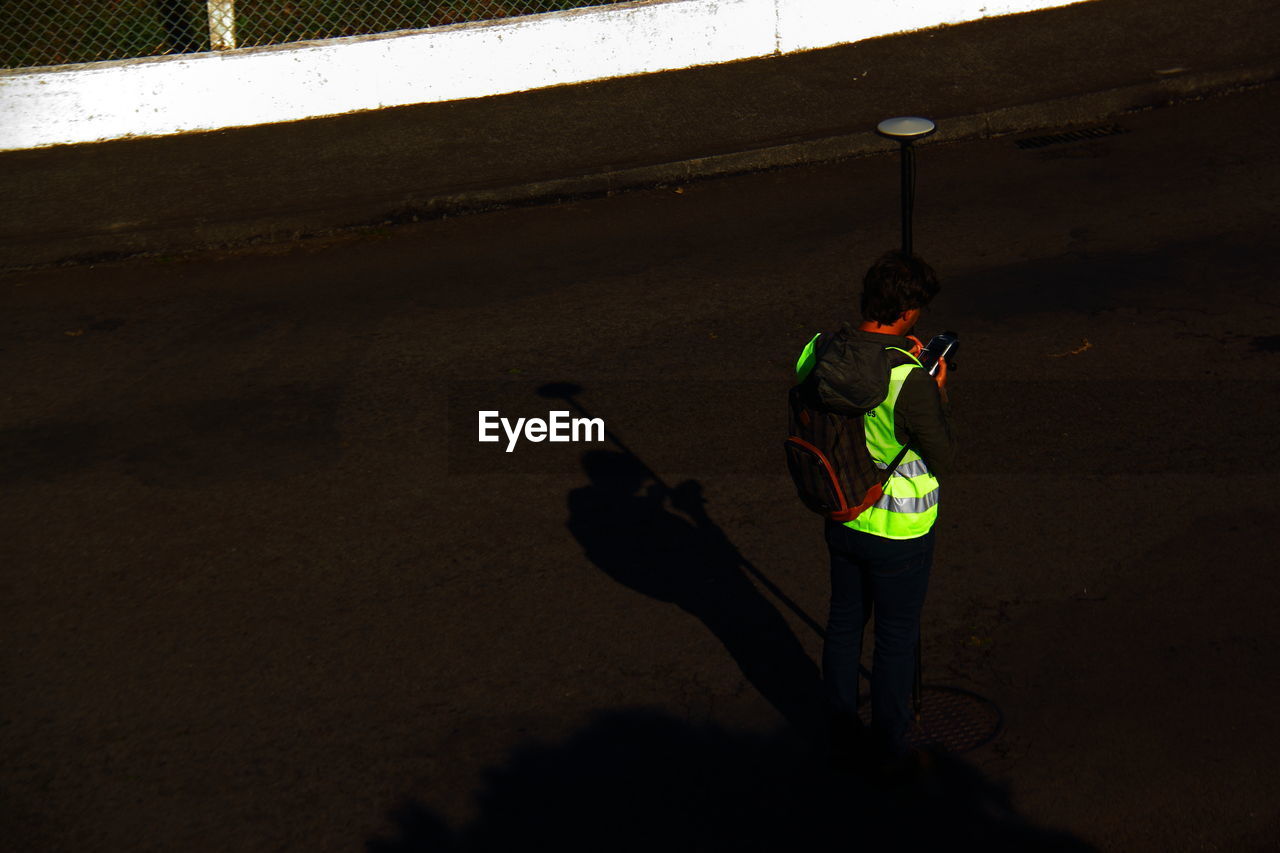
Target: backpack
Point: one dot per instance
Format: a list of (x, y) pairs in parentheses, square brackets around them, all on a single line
[(827, 456)]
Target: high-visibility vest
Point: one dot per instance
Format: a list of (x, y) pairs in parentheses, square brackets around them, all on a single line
[(909, 506)]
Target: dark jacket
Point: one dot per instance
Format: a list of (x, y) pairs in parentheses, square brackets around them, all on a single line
[(852, 375)]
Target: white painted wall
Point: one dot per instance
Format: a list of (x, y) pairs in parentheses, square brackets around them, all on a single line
[(175, 94)]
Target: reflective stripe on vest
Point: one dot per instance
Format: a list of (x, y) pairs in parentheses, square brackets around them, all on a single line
[(906, 469), (908, 504)]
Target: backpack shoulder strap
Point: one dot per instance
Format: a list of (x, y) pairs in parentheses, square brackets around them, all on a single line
[(899, 357)]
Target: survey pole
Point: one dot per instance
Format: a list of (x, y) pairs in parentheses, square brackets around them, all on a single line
[(905, 130)]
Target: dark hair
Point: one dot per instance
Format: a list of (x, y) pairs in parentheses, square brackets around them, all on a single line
[(896, 283)]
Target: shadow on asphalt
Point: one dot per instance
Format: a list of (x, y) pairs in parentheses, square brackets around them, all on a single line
[(640, 780), (261, 433), (1087, 281), (643, 780), (628, 525)]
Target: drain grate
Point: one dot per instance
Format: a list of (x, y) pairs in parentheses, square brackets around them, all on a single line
[(951, 719), (1080, 135)]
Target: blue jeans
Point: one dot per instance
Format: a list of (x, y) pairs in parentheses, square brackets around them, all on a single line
[(888, 577)]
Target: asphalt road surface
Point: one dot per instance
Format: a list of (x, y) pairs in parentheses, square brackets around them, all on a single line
[(264, 589)]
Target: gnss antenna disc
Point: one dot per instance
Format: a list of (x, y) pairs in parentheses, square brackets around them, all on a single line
[(906, 128)]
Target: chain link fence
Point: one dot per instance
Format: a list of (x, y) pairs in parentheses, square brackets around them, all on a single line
[(58, 32)]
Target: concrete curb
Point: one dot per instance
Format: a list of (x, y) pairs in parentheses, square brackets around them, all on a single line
[(1062, 112), (1086, 108)]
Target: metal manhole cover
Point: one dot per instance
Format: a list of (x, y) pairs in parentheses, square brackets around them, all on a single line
[(951, 719)]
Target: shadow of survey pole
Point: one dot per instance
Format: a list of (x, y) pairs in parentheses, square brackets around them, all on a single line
[(568, 392)]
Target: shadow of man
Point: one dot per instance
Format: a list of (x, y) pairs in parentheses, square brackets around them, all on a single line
[(625, 527), (640, 780)]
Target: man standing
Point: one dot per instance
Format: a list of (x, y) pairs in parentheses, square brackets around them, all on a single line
[(880, 561)]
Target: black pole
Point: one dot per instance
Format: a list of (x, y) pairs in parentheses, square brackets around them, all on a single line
[(908, 204), (917, 688), (908, 193), (905, 130)]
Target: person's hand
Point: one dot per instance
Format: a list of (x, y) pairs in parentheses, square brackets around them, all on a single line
[(941, 377), (916, 346)]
